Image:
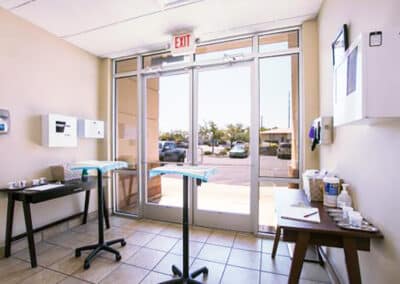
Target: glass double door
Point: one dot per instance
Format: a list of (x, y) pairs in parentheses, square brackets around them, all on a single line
[(199, 117)]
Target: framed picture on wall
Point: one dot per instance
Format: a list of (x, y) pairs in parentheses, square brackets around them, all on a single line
[(340, 44)]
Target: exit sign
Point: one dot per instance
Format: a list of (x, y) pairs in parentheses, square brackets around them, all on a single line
[(183, 43)]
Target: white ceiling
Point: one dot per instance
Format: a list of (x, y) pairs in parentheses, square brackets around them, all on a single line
[(111, 28)]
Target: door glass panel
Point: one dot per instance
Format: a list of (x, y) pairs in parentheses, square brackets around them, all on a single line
[(223, 138), (278, 41), (223, 49), (279, 112), (267, 215), (126, 65), (126, 191), (167, 130)]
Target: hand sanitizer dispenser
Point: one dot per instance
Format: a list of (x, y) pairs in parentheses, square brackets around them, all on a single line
[(4, 121)]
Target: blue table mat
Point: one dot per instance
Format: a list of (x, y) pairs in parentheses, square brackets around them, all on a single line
[(103, 166), (196, 172)]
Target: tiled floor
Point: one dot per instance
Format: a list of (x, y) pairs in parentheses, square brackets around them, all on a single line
[(151, 250)]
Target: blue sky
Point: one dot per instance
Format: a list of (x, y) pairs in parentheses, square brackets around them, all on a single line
[(224, 96)]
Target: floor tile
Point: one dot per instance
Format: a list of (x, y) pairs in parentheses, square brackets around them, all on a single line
[(314, 272), (164, 266), (221, 238), (126, 252), (155, 278), (247, 242), (173, 231), (125, 274), (267, 278), (13, 270), (146, 258), (69, 264), (72, 239), (72, 280), (44, 276), (267, 245), (127, 223), (279, 264), (162, 243), (40, 248), (214, 253), (245, 258), (215, 271), (99, 269), (194, 248), (199, 234), (140, 238), (238, 275), (151, 226)]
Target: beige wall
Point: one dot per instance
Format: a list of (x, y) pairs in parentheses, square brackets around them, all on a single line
[(40, 74), (310, 90), (365, 156)]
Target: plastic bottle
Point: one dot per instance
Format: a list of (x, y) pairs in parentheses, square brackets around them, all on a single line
[(331, 191), (344, 198)]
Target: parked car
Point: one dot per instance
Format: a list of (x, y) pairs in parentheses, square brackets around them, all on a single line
[(239, 151), (284, 151), (168, 152)]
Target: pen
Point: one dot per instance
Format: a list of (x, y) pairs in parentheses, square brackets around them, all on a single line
[(310, 214)]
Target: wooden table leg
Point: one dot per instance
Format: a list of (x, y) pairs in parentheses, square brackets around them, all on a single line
[(298, 257), (9, 226), (29, 232), (352, 264), (276, 241)]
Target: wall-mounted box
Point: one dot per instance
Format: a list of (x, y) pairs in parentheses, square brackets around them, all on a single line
[(59, 130), (4, 121), (90, 128), (324, 129), (366, 81)]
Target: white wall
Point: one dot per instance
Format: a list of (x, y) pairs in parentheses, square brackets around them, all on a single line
[(365, 156), (41, 73)]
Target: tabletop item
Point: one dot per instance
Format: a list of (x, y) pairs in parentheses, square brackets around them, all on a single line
[(199, 174), (344, 198), (44, 187), (325, 233), (42, 180), (331, 191), (345, 213), (308, 214), (313, 185), (35, 181), (101, 167)]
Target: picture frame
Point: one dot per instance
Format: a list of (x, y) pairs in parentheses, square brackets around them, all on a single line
[(340, 44)]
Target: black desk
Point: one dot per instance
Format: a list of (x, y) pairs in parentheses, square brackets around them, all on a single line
[(27, 197)]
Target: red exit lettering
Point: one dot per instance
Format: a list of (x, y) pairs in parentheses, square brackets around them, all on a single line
[(182, 41)]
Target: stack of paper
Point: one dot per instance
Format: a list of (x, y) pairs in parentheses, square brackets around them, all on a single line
[(44, 187), (301, 214)]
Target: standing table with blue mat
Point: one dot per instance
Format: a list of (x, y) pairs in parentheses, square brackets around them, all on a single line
[(200, 174), (101, 167)]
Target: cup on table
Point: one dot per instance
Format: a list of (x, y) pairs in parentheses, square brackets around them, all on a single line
[(42, 180), (35, 181), (12, 185), (22, 183), (355, 218), (346, 210)]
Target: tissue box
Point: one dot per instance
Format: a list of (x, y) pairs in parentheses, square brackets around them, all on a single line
[(64, 173), (313, 185)]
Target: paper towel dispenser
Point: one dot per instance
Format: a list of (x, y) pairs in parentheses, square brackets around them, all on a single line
[(4, 121)]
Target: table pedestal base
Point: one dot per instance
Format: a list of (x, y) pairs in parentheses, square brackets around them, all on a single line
[(188, 279)]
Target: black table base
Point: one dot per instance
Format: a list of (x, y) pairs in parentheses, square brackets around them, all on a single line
[(101, 245), (183, 276)]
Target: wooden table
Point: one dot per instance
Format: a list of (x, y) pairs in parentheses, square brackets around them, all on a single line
[(326, 233), (28, 197)]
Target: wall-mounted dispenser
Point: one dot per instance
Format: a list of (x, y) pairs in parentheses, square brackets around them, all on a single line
[(59, 130), (90, 128), (321, 132), (4, 121)]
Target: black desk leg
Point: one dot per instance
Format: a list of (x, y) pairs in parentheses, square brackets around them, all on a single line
[(101, 245), (85, 213), (185, 277), (86, 210), (9, 226), (29, 232)]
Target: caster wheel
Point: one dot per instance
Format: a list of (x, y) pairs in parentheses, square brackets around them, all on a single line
[(77, 253), (175, 270), (86, 266), (123, 243), (118, 257)]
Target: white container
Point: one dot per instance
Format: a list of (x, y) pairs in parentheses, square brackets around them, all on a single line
[(355, 218), (331, 191), (344, 198), (345, 212)]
